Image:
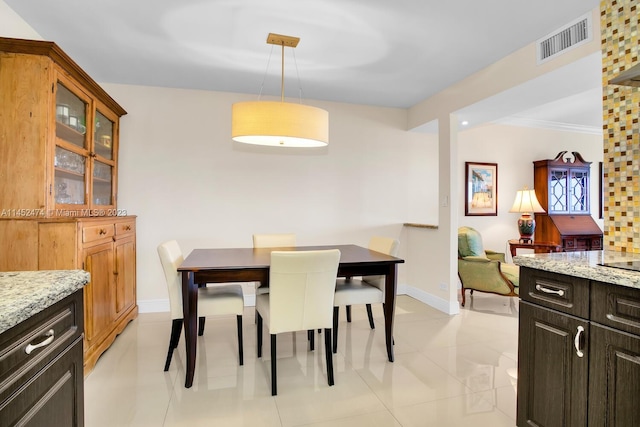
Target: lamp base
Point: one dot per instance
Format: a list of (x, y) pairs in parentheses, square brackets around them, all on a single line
[(526, 227)]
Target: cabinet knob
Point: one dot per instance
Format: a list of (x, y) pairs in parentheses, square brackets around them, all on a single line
[(102, 231), (127, 228)]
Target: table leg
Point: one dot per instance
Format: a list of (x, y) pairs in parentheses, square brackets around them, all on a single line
[(190, 316), (389, 307)]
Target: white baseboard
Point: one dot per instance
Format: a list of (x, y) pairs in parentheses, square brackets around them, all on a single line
[(448, 307)]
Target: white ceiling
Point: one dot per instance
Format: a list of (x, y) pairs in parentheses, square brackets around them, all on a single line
[(375, 52)]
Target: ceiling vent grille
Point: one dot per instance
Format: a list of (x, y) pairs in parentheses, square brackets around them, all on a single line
[(572, 35)]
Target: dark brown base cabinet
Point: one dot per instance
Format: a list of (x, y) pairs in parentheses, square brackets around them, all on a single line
[(45, 387), (578, 352)]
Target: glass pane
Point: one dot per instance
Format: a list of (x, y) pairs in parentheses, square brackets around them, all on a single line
[(103, 140), (102, 174), (558, 191), (71, 117), (69, 177), (579, 191)]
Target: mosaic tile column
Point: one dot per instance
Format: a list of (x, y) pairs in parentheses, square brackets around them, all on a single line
[(620, 32)]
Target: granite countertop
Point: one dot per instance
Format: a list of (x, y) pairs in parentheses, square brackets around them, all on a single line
[(585, 264), (25, 293)]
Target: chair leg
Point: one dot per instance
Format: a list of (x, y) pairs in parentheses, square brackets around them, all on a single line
[(329, 355), (274, 381), (201, 326), (176, 329), (312, 339), (463, 296), (348, 313), (240, 346), (370, 314), (259, 333), (336, 315)]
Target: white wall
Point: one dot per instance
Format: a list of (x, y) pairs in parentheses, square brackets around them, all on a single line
[(185, 178), (12, 25)]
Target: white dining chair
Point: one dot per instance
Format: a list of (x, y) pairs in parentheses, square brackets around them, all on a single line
[(215, 300), (302, 285), (281, 240), (366, 290)]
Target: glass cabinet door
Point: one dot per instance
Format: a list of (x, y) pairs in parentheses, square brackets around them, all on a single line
[(69, 177), (103, 136), (71, 117), (102, 184), (579, 191), (558, 191)]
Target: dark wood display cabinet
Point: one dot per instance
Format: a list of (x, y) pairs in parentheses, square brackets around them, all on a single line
[(562, 188), (578, 352)]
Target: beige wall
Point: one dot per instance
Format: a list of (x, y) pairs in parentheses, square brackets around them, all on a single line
[(185, 178)]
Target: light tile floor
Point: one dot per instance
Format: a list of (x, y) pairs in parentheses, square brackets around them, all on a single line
[(448, 371)]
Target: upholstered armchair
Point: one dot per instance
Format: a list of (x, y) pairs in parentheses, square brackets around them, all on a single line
[(484, 270)]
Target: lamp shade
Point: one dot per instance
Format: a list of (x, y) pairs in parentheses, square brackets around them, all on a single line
[(526, 202), (280, 124)]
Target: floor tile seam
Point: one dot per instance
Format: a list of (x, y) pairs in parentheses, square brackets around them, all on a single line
[(373, 392), (497, 407), (312, 423), (493, 405)]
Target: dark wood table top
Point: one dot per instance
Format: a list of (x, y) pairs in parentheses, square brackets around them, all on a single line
[(260, 258)]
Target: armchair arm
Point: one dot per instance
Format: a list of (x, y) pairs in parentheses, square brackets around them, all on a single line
[(498, 256), (483, 275)]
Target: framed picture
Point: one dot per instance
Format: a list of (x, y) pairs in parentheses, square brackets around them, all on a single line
[(481, 189)]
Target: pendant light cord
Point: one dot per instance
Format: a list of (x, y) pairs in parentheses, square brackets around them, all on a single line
[(282, 80), (264, 76)]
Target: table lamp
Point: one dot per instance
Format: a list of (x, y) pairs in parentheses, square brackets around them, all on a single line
[(526, 203)]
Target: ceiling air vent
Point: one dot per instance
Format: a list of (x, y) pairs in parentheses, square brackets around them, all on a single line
[(574, 34)]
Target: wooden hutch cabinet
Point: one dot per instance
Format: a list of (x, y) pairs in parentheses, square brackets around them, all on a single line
[(59, 138), (562, 188)]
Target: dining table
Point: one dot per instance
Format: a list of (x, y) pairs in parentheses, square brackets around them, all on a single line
[(224, 265)]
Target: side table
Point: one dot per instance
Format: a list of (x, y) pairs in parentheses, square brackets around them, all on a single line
[(538, 247)]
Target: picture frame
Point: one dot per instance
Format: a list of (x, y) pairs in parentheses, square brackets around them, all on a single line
[(481, 189)]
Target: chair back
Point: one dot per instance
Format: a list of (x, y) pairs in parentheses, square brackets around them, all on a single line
[(286, 240), (301, 289), (171, 257), (470, 243), (385, 245)]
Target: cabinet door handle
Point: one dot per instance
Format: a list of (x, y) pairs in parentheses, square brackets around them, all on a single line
[(50, 337), (576, 341), (558, 292)]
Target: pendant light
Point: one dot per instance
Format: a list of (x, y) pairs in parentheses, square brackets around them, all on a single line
[(281, 124)]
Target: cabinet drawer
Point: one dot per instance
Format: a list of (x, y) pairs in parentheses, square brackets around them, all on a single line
[(54, 396), (97, 232), (596, 243), (560, 292), (569, 244), (35, 342), (126, 227), (616, 306)]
